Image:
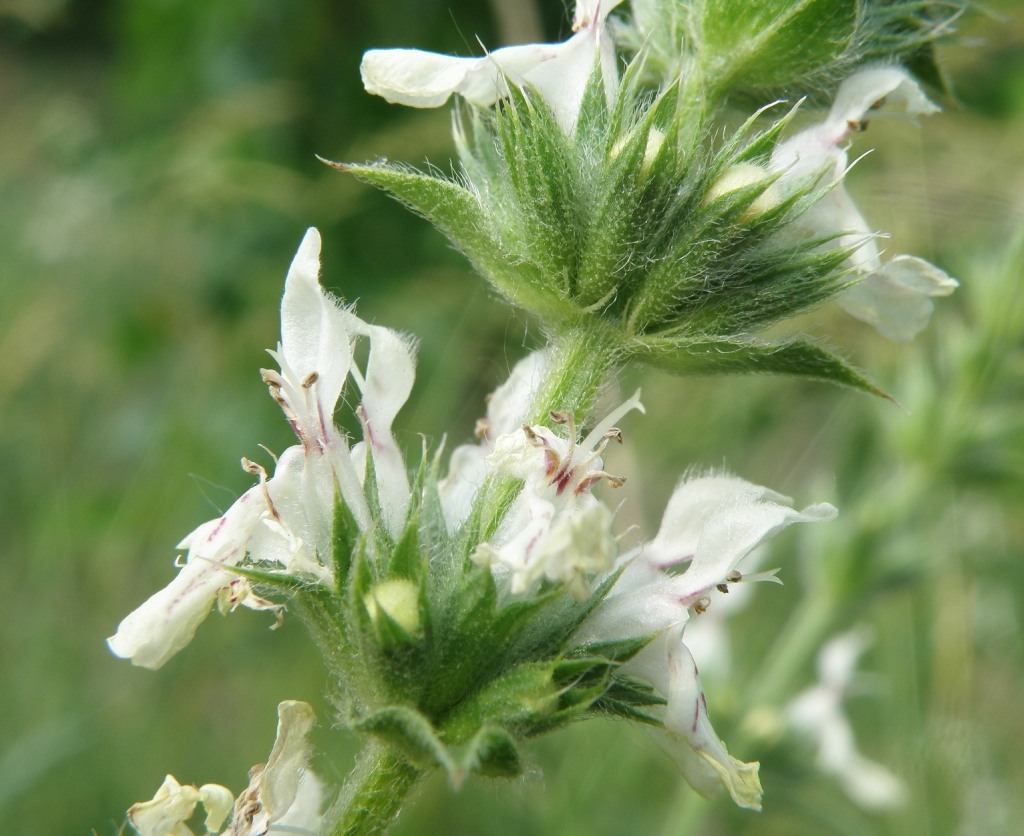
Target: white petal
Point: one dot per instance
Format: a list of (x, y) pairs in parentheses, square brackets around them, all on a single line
[(872, 785), (416, 78), (559, 71), (390, 371), (314, 336), (298, 534), (592, 12), (896, 298), (817, 714), (641, 603), (467, 470), (166, 622), (690, 739), (561, 76), (717, 520), (508, 407), (878, 87)]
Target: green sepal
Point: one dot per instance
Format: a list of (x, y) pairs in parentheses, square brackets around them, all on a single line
[(279, 581), (409, 732), (321, 612), (797, 358), (477, 640), (406, 559), (542, 167), (627, 698), (345, 542), (519, 699), (772, 44), (449, 206), (490, 751), (618, 651), (592, 117)]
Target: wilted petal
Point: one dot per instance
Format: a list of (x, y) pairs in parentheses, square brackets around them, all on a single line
[(304, 815), (174, 804), (218, 801), (288, 758), (274, 787), (896, 298)]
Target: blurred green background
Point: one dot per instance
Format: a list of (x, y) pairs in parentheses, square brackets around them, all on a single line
[(157, 171)]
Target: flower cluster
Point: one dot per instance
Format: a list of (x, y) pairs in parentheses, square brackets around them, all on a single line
[(554, 531), (285, 521), (463, 614)]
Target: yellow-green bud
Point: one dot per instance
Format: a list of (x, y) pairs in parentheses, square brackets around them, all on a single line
[(740, 176), (399, 598)]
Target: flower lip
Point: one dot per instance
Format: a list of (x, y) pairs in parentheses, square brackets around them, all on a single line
[(559, 71)]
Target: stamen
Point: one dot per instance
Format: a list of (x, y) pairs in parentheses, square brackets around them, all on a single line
[(258, 470), (733, 577), (310, 379), (482, 428), (702, 605)]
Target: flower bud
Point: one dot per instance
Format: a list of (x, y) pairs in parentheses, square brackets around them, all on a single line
[(742, 176), (398, 599)]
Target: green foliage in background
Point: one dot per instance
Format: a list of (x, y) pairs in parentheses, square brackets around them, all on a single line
[(156, 173)]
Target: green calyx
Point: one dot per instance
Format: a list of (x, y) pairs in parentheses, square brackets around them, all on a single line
[(636, 229), (434, 660), (780, 48)]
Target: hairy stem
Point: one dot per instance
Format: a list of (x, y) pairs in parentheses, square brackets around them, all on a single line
[(374, 793)]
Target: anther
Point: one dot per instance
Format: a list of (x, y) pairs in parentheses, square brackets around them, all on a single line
[(733, 577), (249, 466), (702, 605), (310, 379)]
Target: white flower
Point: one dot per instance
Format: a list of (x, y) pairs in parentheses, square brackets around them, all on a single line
[(286, 520), (507, 408), (283, 796), (555, 528), (559, 72), (817, 714), (710, 524), (894, 296)]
